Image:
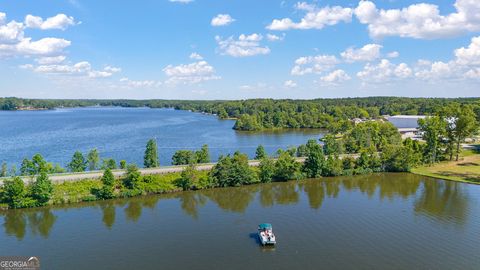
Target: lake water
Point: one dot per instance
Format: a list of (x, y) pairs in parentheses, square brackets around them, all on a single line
[(383, 221), (405, 121), (122, 133)]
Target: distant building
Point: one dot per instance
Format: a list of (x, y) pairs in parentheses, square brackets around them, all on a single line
[(357, 121)]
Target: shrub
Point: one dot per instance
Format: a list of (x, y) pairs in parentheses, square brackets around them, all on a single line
[(15, 192), (123, 164), (266, 170), (108, 188), (78, 163), (285, 167), (187, 178), (315, 162), (132, 179), (42, 189), (232, 171)]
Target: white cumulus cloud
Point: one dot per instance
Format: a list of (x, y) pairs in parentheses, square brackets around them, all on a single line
[(196, 56), (245, 45), (335, 77), (82, 69), (393, 54), (272, 37), (437, 70), (469, 55), (3, 17), (190, 73), (421, 21), (315, 18), (221, 20), (13, 41), (44, 46), (11, 32), (314, 64), (47, 60), (465, 65), (384, 71), (260, 86), (59, 21), (290, 84), (367, 53), (139, 83)]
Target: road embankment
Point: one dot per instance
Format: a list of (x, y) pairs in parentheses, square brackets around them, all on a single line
[(72, 177)]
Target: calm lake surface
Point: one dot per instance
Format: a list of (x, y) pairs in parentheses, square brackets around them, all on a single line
[(121, 133), (383, 221)]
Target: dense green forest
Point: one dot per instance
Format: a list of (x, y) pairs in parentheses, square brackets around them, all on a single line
[(258, 114)]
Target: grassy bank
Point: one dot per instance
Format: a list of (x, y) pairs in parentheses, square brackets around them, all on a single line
[(82, 191), (466, 170)]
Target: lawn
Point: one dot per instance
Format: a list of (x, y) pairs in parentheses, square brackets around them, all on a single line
[(467, 169)]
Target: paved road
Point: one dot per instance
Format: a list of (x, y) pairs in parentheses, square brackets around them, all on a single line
[(60, 178)]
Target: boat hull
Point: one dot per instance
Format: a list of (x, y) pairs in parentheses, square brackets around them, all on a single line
[(264, 240)]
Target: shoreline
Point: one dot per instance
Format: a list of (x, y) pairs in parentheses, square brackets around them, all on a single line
[(71, 177), (465, 170), (78, 187), (82, 188), (442, 177)]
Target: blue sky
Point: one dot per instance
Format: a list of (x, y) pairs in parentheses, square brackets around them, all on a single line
[(205, 49)]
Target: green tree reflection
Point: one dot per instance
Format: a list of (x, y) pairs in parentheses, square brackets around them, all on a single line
[(40, 221), (286, 193), (15, 223), (108, 211), (398, 185), (133, 211), (266, 195), (444, 201), (332, 187), (232, 199), (190, 201), (315, 191), (150, 201)]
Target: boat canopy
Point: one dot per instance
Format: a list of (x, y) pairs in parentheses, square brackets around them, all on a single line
[(265, 226)]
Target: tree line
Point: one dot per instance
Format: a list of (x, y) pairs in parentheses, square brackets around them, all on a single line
[(92, 161), (258, 114), (445, 131)]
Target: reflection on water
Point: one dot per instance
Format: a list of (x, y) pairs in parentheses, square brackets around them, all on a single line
[(382, 221), (39, 221), (190, 201), (443, 201), (108, 210), (432, 198), (232, 200), (315, 193), (133, 211)]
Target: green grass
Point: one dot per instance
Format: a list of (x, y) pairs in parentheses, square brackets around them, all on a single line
[(81, 191), (466, 170), (72, 192), (159, 183)]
